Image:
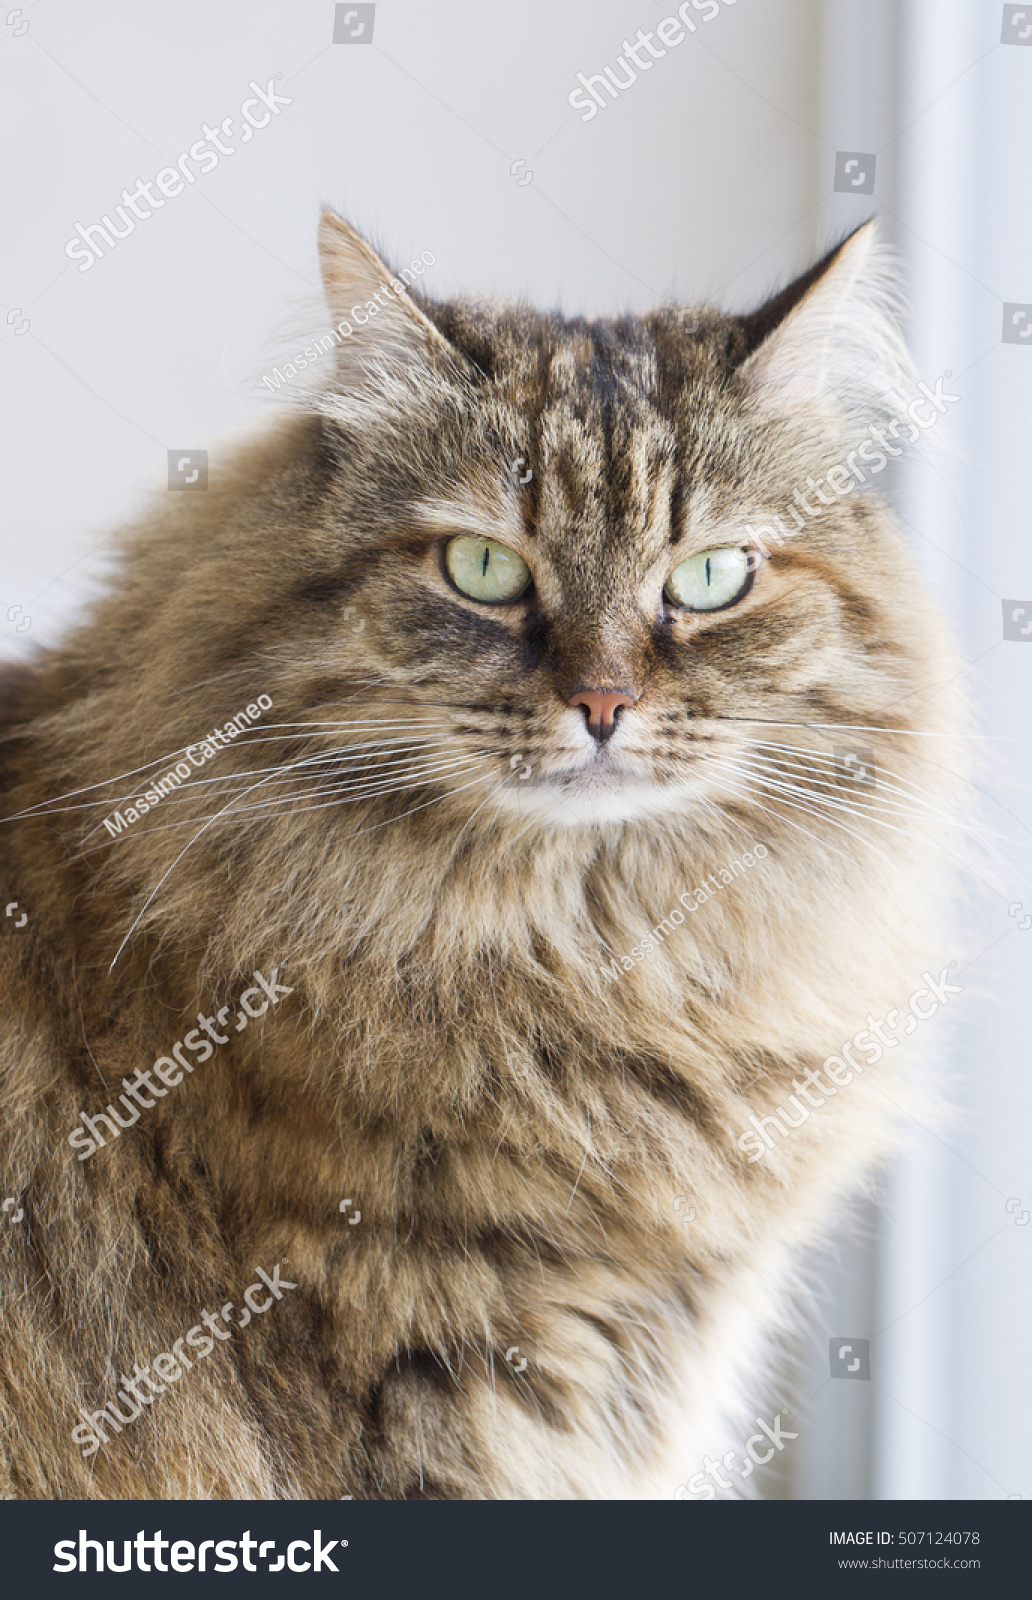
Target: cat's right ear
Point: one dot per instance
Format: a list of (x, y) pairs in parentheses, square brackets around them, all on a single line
[(378, 327)]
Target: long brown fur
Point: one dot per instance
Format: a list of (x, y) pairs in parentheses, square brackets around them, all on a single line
[(513, 1125)]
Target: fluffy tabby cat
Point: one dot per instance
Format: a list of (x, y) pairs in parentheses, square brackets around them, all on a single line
[(514, 718)]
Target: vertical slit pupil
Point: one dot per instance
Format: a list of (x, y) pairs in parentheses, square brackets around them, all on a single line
[(707, 571), (487, 557)]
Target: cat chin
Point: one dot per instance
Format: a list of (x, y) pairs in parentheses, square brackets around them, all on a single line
[(583, 799)]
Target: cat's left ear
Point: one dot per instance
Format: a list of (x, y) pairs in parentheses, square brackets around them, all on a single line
[(379, 327), (831, 340)]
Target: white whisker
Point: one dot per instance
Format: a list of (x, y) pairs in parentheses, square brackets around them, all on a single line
[(866, 805), (377, 826), (167, 874), (749, 795), (281, 805), (277, 773)]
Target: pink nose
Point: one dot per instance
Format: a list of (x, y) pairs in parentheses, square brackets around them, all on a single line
[(601, 707)]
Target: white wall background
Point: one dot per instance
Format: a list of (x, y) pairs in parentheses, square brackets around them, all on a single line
[(710, 177)]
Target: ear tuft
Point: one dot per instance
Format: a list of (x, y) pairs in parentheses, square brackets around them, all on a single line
[(831, 341)]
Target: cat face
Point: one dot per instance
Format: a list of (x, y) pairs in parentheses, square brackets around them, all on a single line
[(559, 543)]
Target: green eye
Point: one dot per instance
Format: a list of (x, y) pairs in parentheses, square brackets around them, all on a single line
[(710, 580), (486, 570)]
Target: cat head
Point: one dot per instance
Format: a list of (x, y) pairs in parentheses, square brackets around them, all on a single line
[(597, 557), (512, 574)]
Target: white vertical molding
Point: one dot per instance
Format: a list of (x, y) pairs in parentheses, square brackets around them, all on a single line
[(992, 1298), (921, 1324), (896, 82)]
